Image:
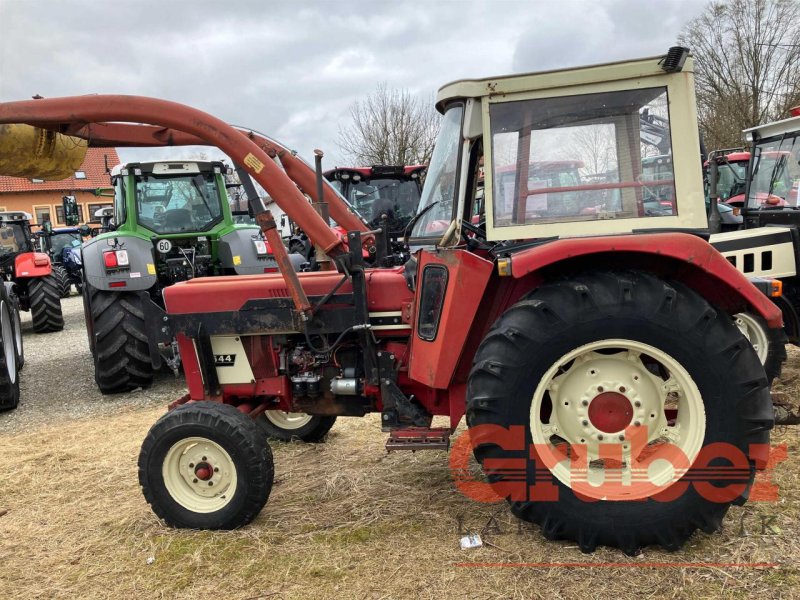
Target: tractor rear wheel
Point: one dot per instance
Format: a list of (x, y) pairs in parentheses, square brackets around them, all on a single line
[(614, 378), (286, 426), (119, 339), (44, 297), (60, 273), (9, 369), (206, 465), (769, 344)]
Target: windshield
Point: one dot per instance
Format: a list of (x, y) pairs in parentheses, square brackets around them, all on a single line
[(59, 241), (12, 239), (581, 158), (730, 179), (178, 204), (776, 173), (438, 193), (395, 198)]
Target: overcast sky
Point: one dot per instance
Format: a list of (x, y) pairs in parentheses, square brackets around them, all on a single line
[(291, 69)]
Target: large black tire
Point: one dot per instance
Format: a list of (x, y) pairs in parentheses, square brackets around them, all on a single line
[(9, 368), (60, 273), (117, 331), (44, 297), (531, 339), (277, 427), (769, 344), (180, 497)]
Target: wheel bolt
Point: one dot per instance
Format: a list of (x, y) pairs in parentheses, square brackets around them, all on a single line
[(600, 437), (622, 388), (585, 423), (636, 424), (216, 469), (204, 458), (194, 480), (191, 465), (622, 438), (210, 483), (585, 403), (637, 404), (599, 388)]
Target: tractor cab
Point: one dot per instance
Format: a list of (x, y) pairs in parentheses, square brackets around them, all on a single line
[(15, 235), (381, 190), (773, 191), (597, 117)]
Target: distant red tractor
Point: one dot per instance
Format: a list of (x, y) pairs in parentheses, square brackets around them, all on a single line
[(609, 395), (35, 287)]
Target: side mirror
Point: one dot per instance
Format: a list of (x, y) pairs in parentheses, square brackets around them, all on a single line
[(47, 227), (70, 206), (85, 230)]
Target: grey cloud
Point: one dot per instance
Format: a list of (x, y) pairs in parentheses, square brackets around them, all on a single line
[(291, 69)]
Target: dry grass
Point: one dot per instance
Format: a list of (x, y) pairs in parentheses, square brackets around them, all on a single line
[(345, 520)]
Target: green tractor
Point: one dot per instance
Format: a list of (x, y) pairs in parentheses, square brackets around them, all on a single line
[(171, 222)]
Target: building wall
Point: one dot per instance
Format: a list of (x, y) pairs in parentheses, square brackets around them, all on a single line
[(49, 200)]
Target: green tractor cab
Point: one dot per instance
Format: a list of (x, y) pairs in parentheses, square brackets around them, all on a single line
[(171, 222)]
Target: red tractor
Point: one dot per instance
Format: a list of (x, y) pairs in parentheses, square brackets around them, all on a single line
[(35, 287), (609, 395)]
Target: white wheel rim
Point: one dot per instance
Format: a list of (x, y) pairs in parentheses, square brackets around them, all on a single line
[(755, 334), (287, 420), (17, 331), (611, 373), (9, 343), (199, 475)]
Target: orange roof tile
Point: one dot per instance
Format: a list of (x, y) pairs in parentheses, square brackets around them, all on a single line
[(93, 165)]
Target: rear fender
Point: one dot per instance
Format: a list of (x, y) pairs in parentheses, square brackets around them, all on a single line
[(140, 275), (238, 253), (32, 264), (684, 257)]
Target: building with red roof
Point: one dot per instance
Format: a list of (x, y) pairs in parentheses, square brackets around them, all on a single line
[(42, 199)]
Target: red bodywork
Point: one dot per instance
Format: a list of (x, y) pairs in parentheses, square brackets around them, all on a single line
[(435, 371), (32, 264)]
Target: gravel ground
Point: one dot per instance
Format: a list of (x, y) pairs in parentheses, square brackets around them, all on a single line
[(57, 382)]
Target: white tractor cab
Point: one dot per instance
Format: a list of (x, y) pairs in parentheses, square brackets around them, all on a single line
[(768, 245)]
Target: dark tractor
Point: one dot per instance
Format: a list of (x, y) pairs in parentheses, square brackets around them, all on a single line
[(63, 245), (35, 287), (171, 222), (381, 191)]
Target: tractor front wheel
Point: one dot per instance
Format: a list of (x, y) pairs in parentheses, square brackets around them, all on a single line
[(638, 402), (44, 297), (206, 465), (286, 426), (118, 337)]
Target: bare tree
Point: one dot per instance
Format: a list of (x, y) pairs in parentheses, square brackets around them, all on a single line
[(390, 127), (747, 56)]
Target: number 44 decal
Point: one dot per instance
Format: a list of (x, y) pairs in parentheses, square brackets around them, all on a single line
[(224, 360)]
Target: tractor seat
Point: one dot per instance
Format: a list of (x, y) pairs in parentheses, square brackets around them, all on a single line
[(178, 218)]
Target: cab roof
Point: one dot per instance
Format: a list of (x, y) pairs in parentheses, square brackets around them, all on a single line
[(552, 79)]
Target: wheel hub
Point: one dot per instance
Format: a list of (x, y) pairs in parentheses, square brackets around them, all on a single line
[(204, 471), (610, 412)]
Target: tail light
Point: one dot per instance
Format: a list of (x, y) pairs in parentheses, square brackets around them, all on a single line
[(41, 261), (262, 248), (114, 259), (432, 292)]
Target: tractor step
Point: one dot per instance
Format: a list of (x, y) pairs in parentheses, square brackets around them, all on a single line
[(419, 438)]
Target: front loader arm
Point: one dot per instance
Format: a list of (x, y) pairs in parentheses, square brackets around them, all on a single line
[(176, 122), (138, 135)]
